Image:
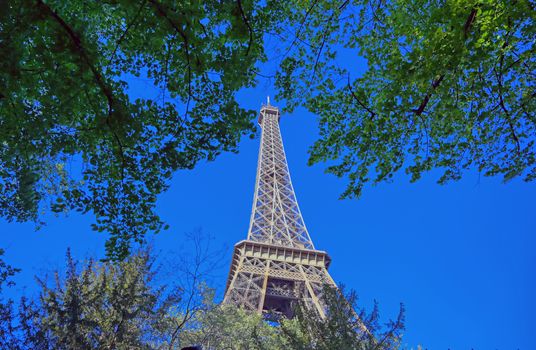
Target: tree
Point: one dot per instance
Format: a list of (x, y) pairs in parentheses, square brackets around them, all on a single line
[(131, 305), (345, 327), (99, 306), (229, 327), (192, 269), (448, 85), (72, 135)]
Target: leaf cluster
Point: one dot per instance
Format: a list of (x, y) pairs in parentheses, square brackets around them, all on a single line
[(345, 326), (448, 85), (74, 135)]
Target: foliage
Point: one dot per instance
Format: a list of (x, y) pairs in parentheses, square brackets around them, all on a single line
[(345, 326), (7, 314), (129, 304), (72, 134), (229, 327), (450, 85), (122, 305), (98, 306), (6, 272)]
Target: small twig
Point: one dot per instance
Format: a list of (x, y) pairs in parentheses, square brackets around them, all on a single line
[(296, 37), (498, 75), (122, 37), (324, 38), (372, 113), (184, 37)]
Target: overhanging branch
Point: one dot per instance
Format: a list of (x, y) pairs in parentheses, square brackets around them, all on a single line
[(80, 49)]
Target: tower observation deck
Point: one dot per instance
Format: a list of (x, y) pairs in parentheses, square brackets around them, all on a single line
[(277, 264)]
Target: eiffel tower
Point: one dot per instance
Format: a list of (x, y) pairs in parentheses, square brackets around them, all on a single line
[(277, 264)]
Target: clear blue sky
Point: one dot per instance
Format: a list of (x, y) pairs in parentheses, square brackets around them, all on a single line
[(461, 257)]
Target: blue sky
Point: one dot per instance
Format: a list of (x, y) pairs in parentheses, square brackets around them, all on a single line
[(460, 257)]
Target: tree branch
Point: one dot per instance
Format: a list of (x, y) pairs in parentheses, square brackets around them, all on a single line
[(159, 8), (503, 106), (247, 24), (466, 29), (98, 76), (77, 42), (300, 27), (372, 113), (424, 102), (469, 22), (122, 37), (324, 38)]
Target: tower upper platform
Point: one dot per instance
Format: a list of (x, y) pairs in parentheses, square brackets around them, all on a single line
[(267, 108)]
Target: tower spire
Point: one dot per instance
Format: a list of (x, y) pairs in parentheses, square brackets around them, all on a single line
[(277, 264)]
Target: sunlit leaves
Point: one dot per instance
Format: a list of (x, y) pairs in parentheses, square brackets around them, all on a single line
[(449, 85)]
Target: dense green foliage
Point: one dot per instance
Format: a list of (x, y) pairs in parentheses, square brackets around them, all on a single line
[(343, 328), (71, 137), (450, 84), (125, 305), (98, 306)]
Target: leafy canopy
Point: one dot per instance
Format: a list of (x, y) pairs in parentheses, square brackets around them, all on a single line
[(71, 137), (449, 85)]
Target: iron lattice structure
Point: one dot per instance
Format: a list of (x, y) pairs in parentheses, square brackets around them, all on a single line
[(277, 264)]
